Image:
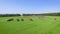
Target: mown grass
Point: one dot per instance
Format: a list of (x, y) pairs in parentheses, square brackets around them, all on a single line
[(47, 25)]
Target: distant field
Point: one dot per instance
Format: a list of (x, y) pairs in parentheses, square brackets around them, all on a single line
[(47, 25)]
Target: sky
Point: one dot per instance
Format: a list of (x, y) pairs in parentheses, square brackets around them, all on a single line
[(29, 6)]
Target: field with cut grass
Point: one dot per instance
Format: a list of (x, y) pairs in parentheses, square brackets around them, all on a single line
[(46, 25)]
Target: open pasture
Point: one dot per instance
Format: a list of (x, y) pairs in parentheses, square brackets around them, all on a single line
[(46, 25)]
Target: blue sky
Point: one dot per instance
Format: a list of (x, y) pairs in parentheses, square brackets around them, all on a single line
[(29, 6)]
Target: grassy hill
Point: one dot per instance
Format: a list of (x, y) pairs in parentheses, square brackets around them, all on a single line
[(46, 25)]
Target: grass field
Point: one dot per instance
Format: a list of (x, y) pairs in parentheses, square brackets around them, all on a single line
[(38, 26)]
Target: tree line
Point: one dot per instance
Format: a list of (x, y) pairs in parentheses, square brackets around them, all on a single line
[(9, 15), (46, 14), (52, 14)]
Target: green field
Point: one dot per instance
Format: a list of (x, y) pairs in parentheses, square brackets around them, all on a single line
[(47, 25)]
